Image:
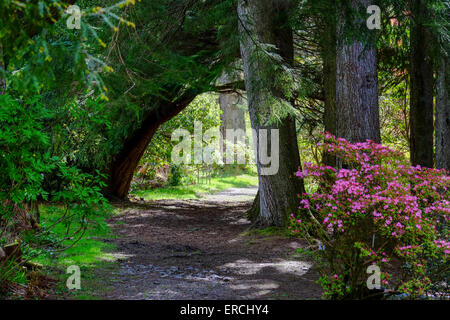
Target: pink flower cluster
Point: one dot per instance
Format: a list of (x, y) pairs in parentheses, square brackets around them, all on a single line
[(379, 192)]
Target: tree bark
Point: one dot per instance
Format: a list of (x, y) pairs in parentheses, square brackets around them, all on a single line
[(356, 82), (261, 23), (328, 55), (421, 77), (253, 213), (443, 115)]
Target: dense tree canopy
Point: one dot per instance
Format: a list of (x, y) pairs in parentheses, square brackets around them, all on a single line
[(86, 110)]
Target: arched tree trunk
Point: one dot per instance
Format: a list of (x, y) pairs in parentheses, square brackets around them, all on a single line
[(126, 162), (262, 23)]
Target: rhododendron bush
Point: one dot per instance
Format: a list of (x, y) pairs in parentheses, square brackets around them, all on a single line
[(376, 209)]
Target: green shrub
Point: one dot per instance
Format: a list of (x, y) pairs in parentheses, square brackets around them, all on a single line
[(24, 161)]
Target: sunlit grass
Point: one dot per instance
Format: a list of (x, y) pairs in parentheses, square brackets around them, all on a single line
[(89, 252), (82, 249), (196, 191)]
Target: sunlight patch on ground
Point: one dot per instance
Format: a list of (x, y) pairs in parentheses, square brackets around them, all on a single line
[(240, 221), (295, 245), (233, 195), (115, 256), (247, 267), (261, 284)]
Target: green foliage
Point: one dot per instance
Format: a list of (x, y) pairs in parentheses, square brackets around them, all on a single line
[(24, 156), (176, 175), (35, 35), (66, 68), (25, 160)]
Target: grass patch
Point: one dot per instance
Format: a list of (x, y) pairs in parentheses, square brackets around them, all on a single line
[(196, 191), (87, 251), (269, 231), (90, 253)]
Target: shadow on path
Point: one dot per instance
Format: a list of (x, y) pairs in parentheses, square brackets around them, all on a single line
[(196, 249)]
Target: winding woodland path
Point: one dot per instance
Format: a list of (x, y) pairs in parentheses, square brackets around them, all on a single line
[(198, 249)]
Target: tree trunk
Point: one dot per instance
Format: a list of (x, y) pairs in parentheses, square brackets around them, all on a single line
[(356, 82), (421, 77), (261, 24), (328, 54), (126, 162), (443, 115), (232, 118), (253, 213)]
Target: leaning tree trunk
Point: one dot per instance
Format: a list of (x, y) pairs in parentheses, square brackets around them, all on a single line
[(126, 162), (261, 26), (356, 82), (421, 77), (443, 115)]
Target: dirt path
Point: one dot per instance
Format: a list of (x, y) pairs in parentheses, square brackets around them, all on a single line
[(197, 249), (232, 195)]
